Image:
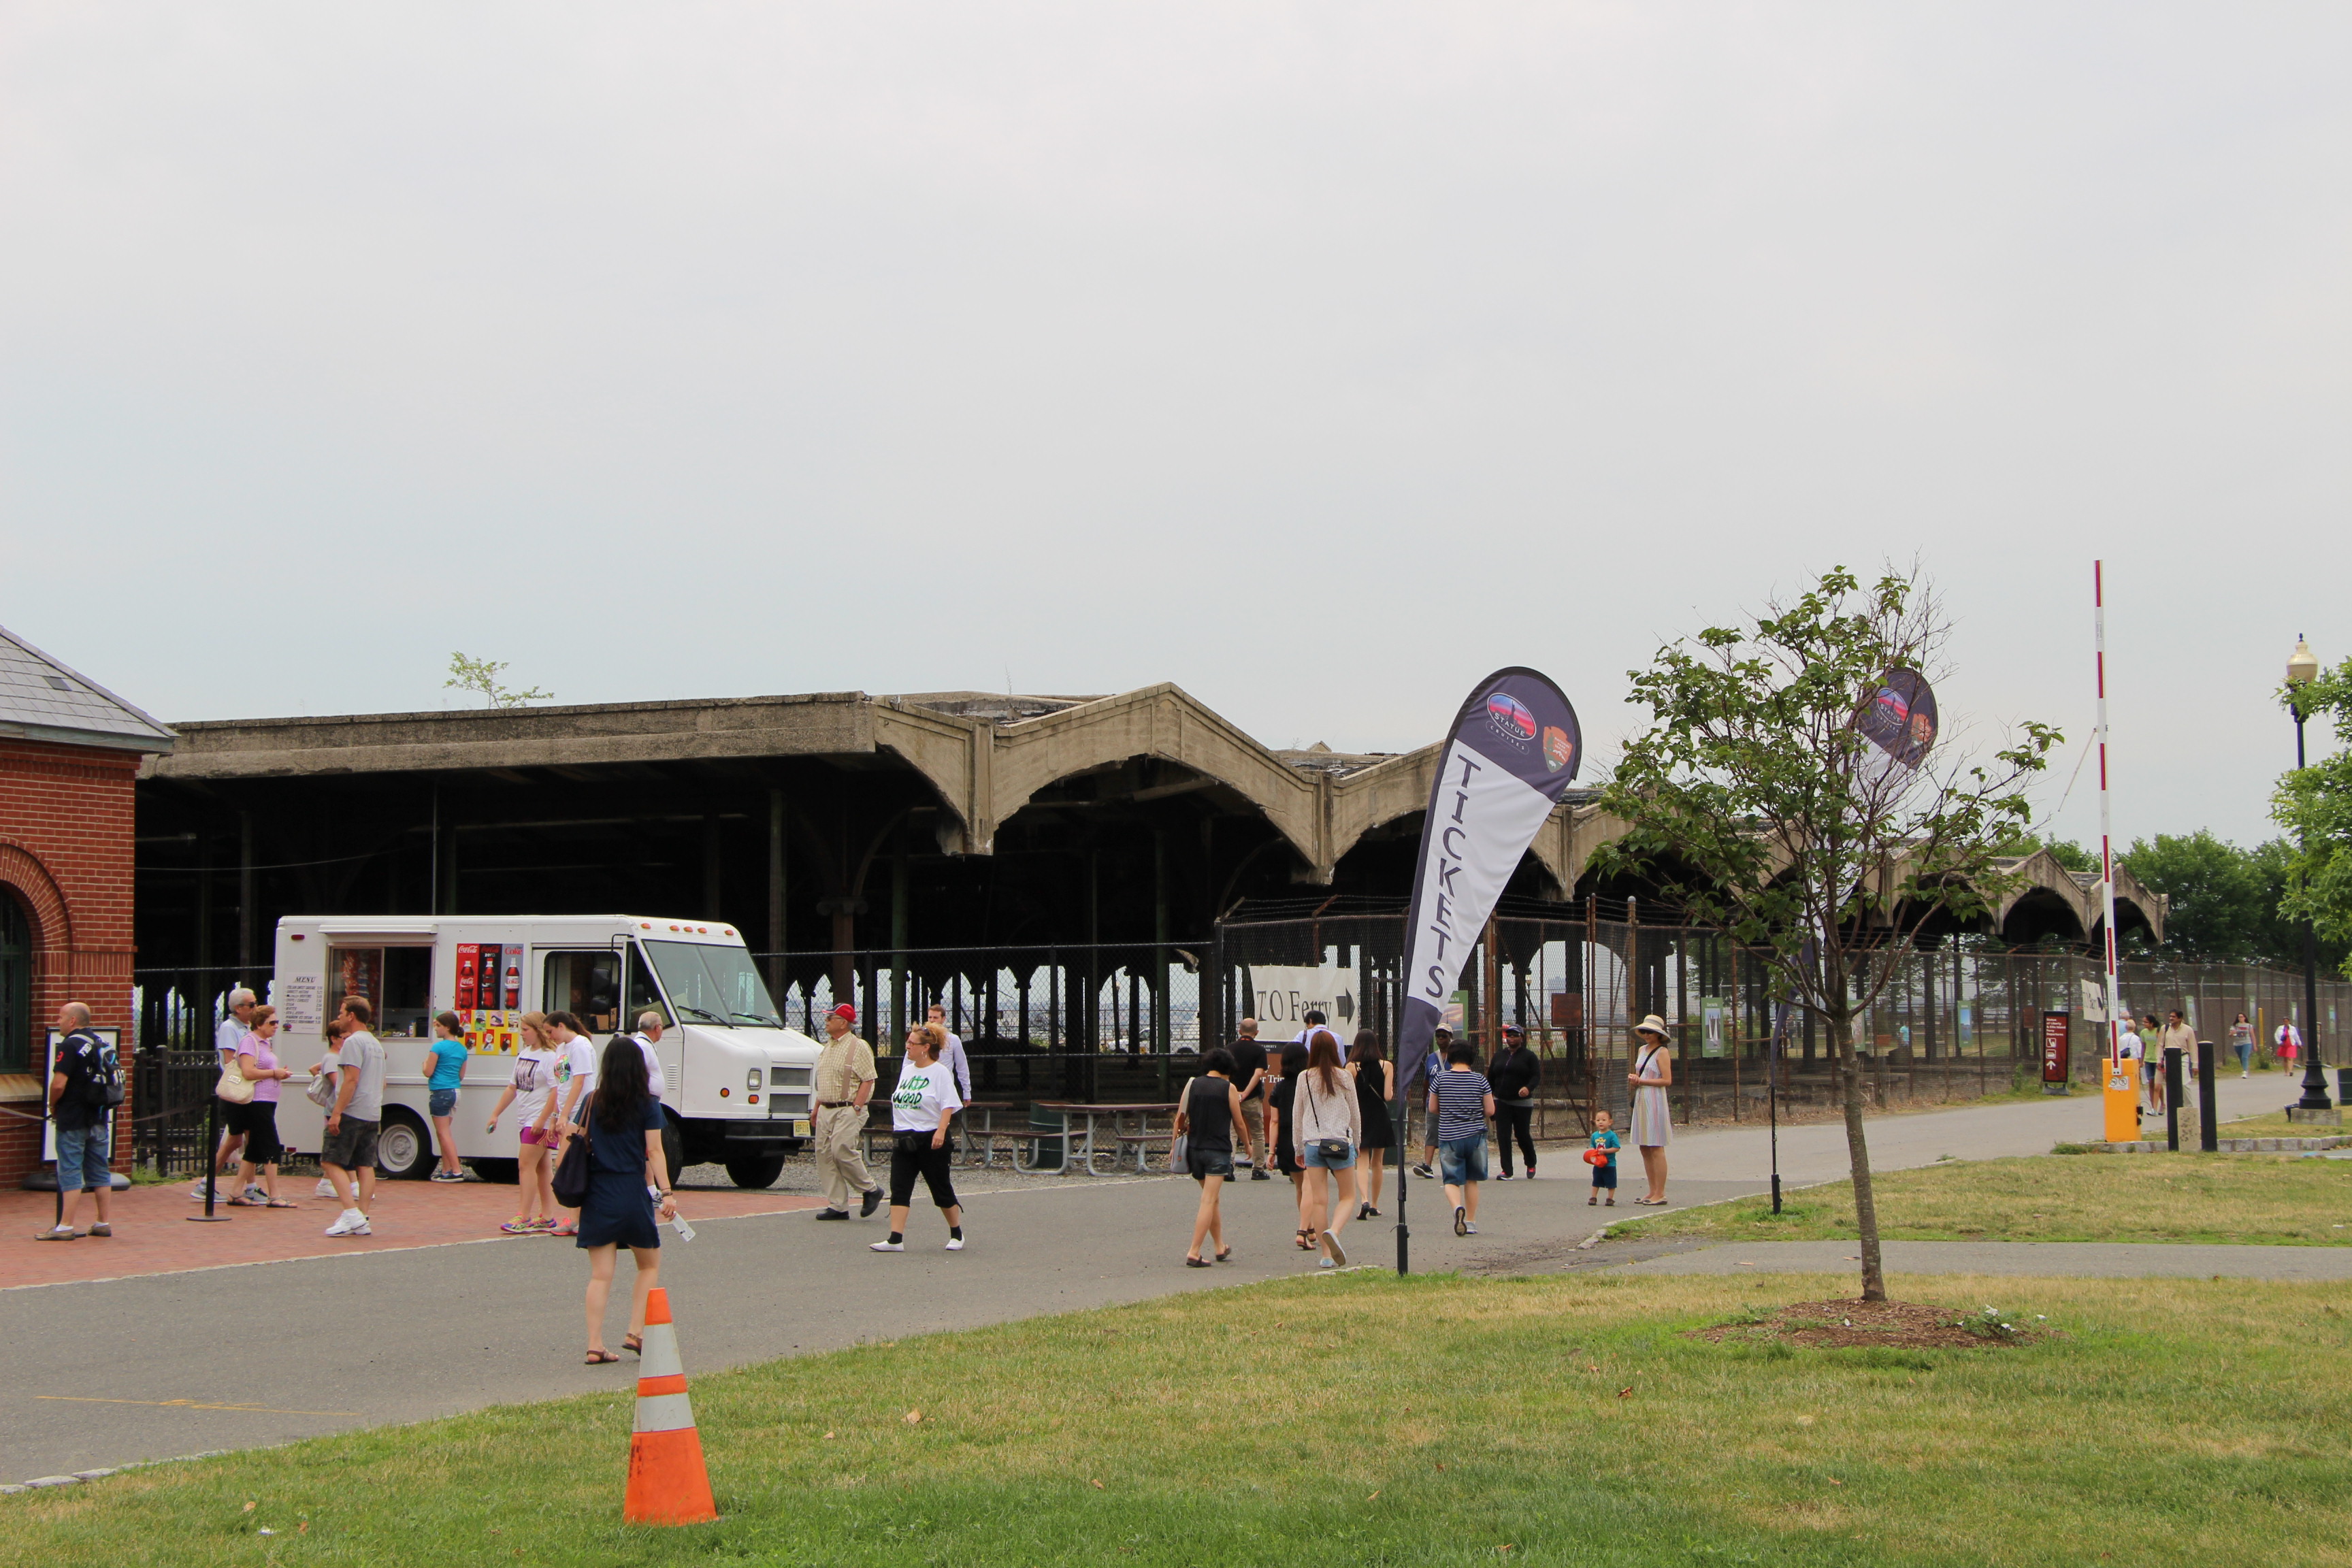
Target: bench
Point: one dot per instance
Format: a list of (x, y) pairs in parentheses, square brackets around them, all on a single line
[(1143, 1146)]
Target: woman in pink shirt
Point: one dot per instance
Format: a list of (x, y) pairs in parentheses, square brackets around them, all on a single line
[(258, 1062)]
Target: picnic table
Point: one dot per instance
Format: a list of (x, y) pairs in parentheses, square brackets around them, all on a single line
[(974, 1134), (1129, 1130)]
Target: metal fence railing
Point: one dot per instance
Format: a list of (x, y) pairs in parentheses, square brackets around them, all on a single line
[(1115, 1021), (1956, 1021)]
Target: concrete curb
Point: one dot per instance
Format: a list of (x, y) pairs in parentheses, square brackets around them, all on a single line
[(2227, 1146)]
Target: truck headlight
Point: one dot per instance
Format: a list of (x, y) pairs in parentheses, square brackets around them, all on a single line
[(752, 1080)]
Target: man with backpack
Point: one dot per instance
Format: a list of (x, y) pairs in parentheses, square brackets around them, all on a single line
[(85, 1086)]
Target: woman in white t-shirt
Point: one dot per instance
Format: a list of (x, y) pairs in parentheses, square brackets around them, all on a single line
[(920, 1109), (528, 1092)]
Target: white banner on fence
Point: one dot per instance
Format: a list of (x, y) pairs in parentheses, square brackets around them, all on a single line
[(1283, 995), (2094, 1000)]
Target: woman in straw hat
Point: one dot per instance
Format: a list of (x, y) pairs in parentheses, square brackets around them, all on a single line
[(1653, 1074)]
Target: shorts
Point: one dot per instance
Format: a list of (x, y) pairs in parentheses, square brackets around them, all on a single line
[(259, 1122), (2153, 1069), (530, 1136), (353, 1147), (83, 1157), (1313, 1159), (912, 1156), (1202, 1163), (1463, 1160), (440, 1102), (1605, 1175)]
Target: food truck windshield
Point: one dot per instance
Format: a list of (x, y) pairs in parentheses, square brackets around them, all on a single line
[(710, 984)]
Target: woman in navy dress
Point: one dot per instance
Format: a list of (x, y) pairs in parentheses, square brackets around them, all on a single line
[(628, 1189)]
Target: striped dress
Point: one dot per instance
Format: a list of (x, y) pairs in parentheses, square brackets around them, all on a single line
[(1653, 1128)]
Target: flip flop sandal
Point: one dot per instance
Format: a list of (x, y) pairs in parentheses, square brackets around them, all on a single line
[(1196, 1263), (601, 1358), (1226, 1255), (632, 1344), (282, 1203), (1306, 1239)]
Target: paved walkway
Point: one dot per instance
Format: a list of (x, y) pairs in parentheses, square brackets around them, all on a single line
[(371, 1334), (2042, 1259), (152, 1234)]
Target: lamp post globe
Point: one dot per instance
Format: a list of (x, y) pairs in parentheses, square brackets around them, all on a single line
[(2302, 670)]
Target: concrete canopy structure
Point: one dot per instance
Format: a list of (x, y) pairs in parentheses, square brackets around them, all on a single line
[(822, 824)]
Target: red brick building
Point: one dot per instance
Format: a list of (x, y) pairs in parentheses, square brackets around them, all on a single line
[(69, 751)]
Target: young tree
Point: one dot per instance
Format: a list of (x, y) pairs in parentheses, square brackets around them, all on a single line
[(2314, 803), (1760, 802), (481, 675)]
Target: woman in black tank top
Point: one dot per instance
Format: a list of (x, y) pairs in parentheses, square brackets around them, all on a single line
[(1207, 1117), (1375, 1087)]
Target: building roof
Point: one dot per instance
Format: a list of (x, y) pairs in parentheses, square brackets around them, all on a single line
[(42, 700)]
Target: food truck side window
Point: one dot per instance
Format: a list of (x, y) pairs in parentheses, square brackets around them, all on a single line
[(585, 983), (643, 994)]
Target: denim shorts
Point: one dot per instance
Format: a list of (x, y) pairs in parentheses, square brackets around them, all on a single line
[(1311, 1155), (1461, 1160), (82, 1157), (441, 1102)]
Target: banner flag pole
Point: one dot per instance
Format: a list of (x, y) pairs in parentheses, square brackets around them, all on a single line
[(1512, 750), (2114, 1066)]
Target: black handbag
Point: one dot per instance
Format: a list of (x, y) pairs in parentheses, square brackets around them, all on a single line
[(1335, 1148), (570, 1179)]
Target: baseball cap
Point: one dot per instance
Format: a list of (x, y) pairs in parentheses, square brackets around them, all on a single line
[(844, 1011)]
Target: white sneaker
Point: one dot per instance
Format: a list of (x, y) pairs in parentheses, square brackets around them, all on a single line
[(889, 1246), (254, 1192), (353, 1222), (326, 1188), (955, 1244), (197, 1192)]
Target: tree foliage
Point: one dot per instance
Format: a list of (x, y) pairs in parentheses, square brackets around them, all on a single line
[(481, 676), (2314, 803), (1767, 813)]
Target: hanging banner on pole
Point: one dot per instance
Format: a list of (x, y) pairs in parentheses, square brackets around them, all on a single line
[(1512, 752)]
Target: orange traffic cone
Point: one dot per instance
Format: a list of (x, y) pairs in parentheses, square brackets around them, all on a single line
[(668, 1482)]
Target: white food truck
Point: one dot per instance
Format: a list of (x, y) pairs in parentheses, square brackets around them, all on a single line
[(735, 1081)]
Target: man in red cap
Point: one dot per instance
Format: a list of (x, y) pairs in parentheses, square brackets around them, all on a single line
[(844, 1083)]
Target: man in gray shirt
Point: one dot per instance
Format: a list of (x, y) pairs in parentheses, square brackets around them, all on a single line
[(349, 1154)]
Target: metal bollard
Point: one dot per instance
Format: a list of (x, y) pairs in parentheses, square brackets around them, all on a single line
[(2172, 1098), (2209, 1120)]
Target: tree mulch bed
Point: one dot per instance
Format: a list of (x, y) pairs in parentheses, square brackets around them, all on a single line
[(1841, 1325)]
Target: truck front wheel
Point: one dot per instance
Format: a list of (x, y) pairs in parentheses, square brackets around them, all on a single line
[(755, 1170)]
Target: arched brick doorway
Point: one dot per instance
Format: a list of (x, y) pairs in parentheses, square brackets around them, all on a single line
[(18, 943)]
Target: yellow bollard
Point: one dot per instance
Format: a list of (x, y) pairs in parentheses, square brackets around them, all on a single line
[(2121, 1099)]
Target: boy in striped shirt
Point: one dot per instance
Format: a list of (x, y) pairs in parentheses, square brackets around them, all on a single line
[(1461, 1100)]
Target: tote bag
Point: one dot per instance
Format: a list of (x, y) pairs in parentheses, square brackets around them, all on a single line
[(571, 1180)]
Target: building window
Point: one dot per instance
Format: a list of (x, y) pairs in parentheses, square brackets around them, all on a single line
[(15, 986)]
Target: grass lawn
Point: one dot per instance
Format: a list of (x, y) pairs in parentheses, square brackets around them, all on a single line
[(1361, 1419), (2274, 1125), (2254, 1198)]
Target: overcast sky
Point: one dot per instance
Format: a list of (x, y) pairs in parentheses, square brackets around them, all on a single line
[(1317, 358)]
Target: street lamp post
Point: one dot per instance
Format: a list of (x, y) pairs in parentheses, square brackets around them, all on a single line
[(2302, 670)]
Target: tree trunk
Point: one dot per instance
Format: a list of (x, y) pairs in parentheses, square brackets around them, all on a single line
[(1857, 1148)]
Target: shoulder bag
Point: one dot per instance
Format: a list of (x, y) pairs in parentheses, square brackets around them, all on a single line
[(234, 1087), (320, 1091), (571, 1180), (1180, 1144)]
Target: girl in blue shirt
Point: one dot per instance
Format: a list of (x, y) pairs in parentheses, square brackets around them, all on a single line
[(446, 1060)]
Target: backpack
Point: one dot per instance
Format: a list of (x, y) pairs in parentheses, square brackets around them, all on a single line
[(102, 1083)]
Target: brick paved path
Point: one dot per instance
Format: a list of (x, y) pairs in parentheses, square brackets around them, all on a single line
[(152, 1234)]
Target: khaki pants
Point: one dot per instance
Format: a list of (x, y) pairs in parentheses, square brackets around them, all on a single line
[(840, 1155)]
